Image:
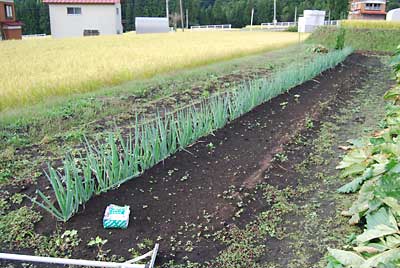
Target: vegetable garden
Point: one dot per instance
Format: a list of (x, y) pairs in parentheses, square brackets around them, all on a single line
[(240, 167)]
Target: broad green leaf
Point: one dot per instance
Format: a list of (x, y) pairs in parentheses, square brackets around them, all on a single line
[(388, 191), (333, 263), (355, 184), (358, 143), (379, 224), (361, 204), (382, 216), (346, 258), (385, 257), (392, 241), (392, 94), (378, 231)]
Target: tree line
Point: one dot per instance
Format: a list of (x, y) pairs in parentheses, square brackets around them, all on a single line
[(35, 14)]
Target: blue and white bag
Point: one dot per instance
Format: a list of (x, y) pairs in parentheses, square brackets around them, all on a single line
[(116, 217)]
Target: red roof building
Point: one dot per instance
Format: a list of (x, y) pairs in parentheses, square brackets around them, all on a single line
[(367, 9), (81, 1), (74, 18), (10, 28)]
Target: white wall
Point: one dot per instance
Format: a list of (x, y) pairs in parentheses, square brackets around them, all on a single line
[(311, 20), (93, 17)]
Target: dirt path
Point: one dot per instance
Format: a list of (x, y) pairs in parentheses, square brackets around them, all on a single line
[(258, 193)]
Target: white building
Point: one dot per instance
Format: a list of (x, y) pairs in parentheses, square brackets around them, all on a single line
[(71, 18), (311, 20)]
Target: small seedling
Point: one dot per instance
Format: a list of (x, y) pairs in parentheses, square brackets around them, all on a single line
[(17, 198), (211, 146), (284, 104), (281, 157), (99, 243), (309, 123)]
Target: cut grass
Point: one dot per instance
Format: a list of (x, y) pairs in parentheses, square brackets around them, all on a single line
[(37, 69)]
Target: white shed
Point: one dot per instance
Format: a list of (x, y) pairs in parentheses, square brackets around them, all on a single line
[(393, 15), (311, 20), (151, 25), (72, 18)]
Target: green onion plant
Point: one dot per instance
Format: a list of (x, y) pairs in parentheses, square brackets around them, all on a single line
[(106, 164)]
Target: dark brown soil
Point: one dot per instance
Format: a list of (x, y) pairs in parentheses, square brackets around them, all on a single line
[(198, 190)]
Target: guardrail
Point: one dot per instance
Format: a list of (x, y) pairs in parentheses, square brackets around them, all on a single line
[(212, 27)]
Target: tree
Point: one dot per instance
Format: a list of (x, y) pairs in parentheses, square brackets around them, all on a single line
[(35, 15)]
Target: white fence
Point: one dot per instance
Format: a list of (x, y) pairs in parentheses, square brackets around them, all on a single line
[(282, 26), (332, 22), (278, 24), (30, 36), (211, 27)]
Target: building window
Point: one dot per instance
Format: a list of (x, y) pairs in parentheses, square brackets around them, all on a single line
[(74, 10), (117, 10), (9, 11), (91, 32), (372, 6)]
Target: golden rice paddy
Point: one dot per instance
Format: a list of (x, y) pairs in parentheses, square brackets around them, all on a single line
[(368, 24), (35, 69)]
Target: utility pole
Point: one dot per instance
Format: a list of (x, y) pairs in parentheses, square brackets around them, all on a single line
[(167, 10), (329, 17), (252, 17), (187, 18), (295, 15), (181, 7), (275, 21)]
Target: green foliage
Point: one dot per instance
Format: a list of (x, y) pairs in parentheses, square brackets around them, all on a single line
[(17, 228), (373, 164), (293, 29), (99, 243), (107, 164), (340, 39), (58, 245), (363, 39)]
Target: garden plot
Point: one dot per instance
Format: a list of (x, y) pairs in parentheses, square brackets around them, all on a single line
[(207, 203)]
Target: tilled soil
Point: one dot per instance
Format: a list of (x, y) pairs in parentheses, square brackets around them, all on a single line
[(182, 201)]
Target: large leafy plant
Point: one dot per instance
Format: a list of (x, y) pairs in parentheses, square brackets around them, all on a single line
[(373, 167)]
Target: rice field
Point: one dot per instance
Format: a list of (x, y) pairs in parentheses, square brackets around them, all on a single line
[(371, 24), (40, 68)]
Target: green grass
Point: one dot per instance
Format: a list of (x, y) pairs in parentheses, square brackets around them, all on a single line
[(361, 39)]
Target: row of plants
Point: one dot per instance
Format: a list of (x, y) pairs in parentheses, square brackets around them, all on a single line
[(106, 164), (373, 165)]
